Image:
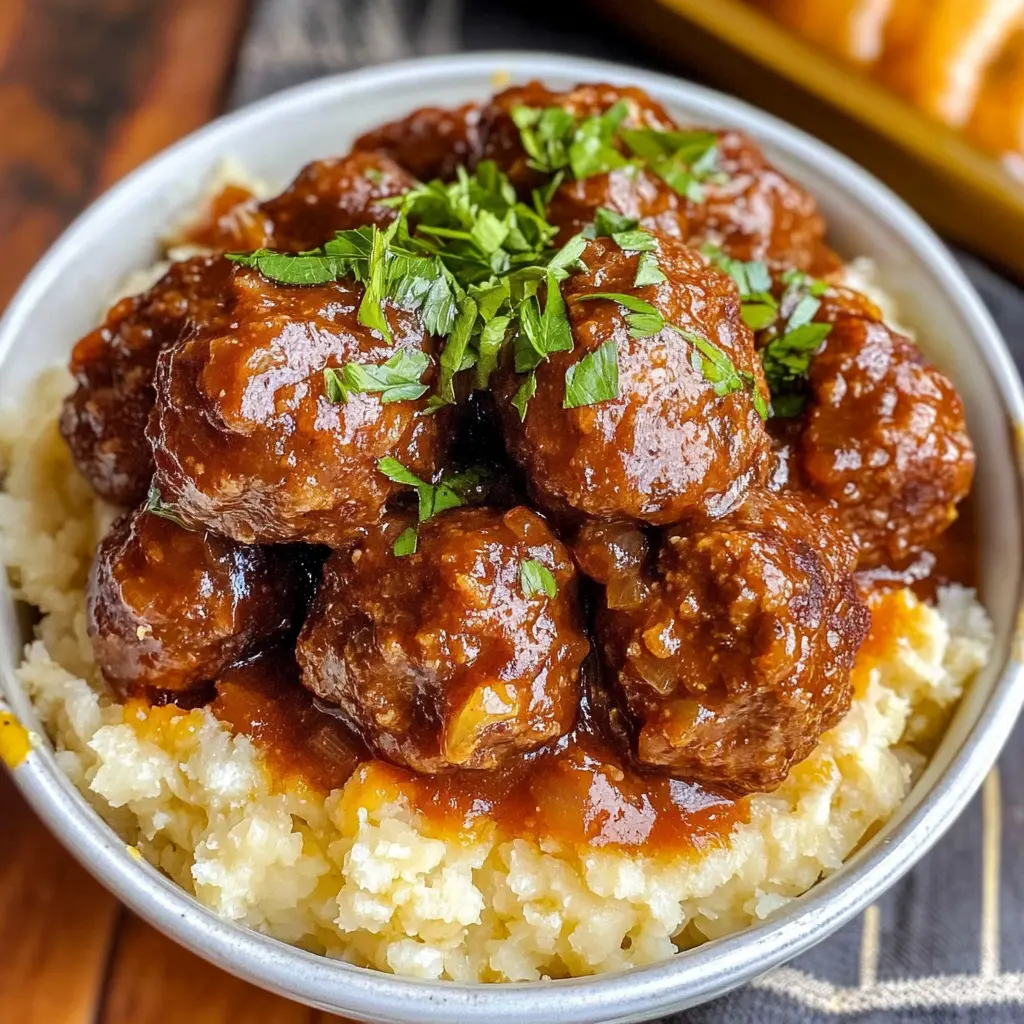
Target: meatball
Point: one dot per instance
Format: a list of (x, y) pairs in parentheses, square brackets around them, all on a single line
[(740, 657), (502, 140), (327, 196), (104, 419), (462, 654), (884, 439), (169, 608), (669, 444), (247, 441), (431, 142), (756, 213), (629, 191)]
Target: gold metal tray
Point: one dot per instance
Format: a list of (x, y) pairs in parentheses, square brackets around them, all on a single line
[(964, 193)]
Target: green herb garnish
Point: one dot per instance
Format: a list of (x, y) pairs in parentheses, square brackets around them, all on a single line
[(157, 507), (683, 160), (595, 378), (536, 579), (406, 543), (397, 380), (433, 498), (526, 391), (642, 319), (555, 141)]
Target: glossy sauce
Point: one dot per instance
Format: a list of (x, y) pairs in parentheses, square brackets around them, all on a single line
[(577, 791), (951, 558)]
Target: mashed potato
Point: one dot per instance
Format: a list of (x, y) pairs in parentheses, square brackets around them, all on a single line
[(357, 875)]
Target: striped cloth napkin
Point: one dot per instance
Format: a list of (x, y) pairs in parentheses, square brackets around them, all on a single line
[(946, 944)]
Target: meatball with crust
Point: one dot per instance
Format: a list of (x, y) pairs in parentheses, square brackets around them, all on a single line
[(669, 444), (169, 608), (740, 657), (628, 191), (884, 439), (459, 655), (755, 212), (502, 139), (328, 196), (104, 419), (247, 441), (430, 142)]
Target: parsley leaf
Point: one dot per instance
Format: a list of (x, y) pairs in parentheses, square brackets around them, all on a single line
[(592, 151), (648, 271), (406, 543), (155, 506), (635, 240), (397, 380), (433, 498), (555, 141), (541, 334), (787, 361), (595, 378), (289, 268), (526, 391), (536, 579), (608, 223), (719, 370), (453, 358), (683, 160), (334, 386), (642, 319)]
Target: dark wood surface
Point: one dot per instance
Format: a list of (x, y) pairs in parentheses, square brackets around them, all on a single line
[(88, 90)]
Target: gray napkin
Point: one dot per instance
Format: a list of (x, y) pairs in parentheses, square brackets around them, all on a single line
[(946, 944)]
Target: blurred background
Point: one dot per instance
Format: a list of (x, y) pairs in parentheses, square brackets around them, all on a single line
[(929, 94)]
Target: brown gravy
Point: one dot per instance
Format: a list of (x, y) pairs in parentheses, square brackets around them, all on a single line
[(577, 791)]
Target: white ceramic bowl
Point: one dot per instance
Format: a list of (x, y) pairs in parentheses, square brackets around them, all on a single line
[(64, 295)]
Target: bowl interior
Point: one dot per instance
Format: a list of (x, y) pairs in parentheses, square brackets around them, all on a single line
[(68, 291)]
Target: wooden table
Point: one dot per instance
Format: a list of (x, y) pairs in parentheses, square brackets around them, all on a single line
[(89, 89)]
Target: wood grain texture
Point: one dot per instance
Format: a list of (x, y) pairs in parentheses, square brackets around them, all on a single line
[(153, 980), (56, 924), (89, 89)]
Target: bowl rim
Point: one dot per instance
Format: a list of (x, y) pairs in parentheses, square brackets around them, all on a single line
[(683, 980)]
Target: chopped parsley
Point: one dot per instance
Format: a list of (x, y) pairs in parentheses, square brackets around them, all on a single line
[(683, 160), (555, 141), (157, 507), (648, 271), (643, 320), (397, 380), (788, 336), (433, 498), (608, 223), (526, 391), (536, 579), (595, 378), (406, 543)]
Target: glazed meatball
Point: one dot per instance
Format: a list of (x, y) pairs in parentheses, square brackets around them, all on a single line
[(756, 213), (461, 654), (430, 142), (884, 439), (247, 441), (740, 657), (630, 191), (104, 419), (669, 444), (326, 197), (502, 140), (169, 608)]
